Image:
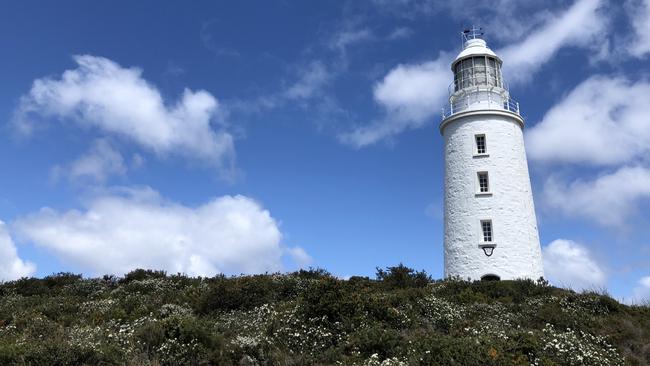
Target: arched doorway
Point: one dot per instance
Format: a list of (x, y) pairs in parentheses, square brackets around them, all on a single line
[(490, 277)]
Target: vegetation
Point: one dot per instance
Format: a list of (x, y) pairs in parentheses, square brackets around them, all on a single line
[(402, 317)]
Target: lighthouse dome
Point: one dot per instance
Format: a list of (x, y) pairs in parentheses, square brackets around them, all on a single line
[(475, 47)]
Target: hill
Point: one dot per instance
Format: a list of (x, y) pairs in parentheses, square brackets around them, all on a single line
[(311, 318)]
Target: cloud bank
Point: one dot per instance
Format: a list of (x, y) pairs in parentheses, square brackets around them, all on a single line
[(609, 200), (136, 228), (602, 121), (569, 264), (11, 266), (101, 94)]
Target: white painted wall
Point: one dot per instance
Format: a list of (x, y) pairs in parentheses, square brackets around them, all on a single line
[(510, 207)]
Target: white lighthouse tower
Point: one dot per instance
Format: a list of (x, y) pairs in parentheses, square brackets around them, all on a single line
[(490, 224)]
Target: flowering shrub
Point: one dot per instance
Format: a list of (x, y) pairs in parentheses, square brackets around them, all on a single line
[(310, 317)]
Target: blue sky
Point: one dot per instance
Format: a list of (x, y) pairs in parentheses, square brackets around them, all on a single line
[(259, 136)]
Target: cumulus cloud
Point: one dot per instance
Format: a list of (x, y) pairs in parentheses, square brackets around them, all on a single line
[(101, 94), (641, 293), (639, 12), (410, 94), (603, 121), (569, 264), (136, 228), (11, 266), (100, 162), (608, 200), (580, 25)]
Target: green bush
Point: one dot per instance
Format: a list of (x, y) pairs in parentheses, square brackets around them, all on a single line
[(377, 339), (241, 293), (401, 276), (142, 274), (331, 299)]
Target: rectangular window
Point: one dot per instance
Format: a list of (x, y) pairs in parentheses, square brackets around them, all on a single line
[(486, 226), (483, 182), (480, 144)]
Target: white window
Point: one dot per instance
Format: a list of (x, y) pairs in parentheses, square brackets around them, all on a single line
[(483, 182), (486, 228), (480, 144)]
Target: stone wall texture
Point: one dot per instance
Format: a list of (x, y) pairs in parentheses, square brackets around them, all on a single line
[(510, 206)]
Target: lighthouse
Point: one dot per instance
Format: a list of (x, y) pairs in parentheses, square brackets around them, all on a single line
[(489, 215)]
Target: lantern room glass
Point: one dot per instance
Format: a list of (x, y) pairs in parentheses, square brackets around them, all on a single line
[(477, 71)]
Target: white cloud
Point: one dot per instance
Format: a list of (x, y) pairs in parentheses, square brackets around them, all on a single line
[(639, 12), (569, 264), (100, 93), (603, 121), (400, 33), (311, 80), (641, 293), (120, 231), (608, 200), (11, 266), (300, 256), (342, 40), (101, 161), (411, 94), (583, 24)]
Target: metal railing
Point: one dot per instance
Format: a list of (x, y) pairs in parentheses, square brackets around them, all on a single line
[(480, 101)]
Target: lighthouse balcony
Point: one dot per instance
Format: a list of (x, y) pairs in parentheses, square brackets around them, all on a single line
[(479, 99)]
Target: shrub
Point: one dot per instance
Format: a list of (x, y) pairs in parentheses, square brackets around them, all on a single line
[(61, 279), (28, 286), (141, 274), (377, 339), (331, 299), (240, 293), (401, 276)]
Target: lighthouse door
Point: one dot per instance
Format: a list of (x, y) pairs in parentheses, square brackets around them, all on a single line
[(490, 277)]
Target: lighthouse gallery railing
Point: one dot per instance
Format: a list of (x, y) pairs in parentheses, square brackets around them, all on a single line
[(480, 100)]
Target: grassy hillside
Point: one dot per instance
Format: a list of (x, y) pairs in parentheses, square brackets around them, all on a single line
[(309, 317)]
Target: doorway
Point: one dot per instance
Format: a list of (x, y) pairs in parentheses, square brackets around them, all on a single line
[(490, 277)]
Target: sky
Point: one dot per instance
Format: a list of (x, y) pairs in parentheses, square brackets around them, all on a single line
[(258, 136)]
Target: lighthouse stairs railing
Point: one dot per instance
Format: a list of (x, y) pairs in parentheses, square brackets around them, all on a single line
[(480, 100)]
